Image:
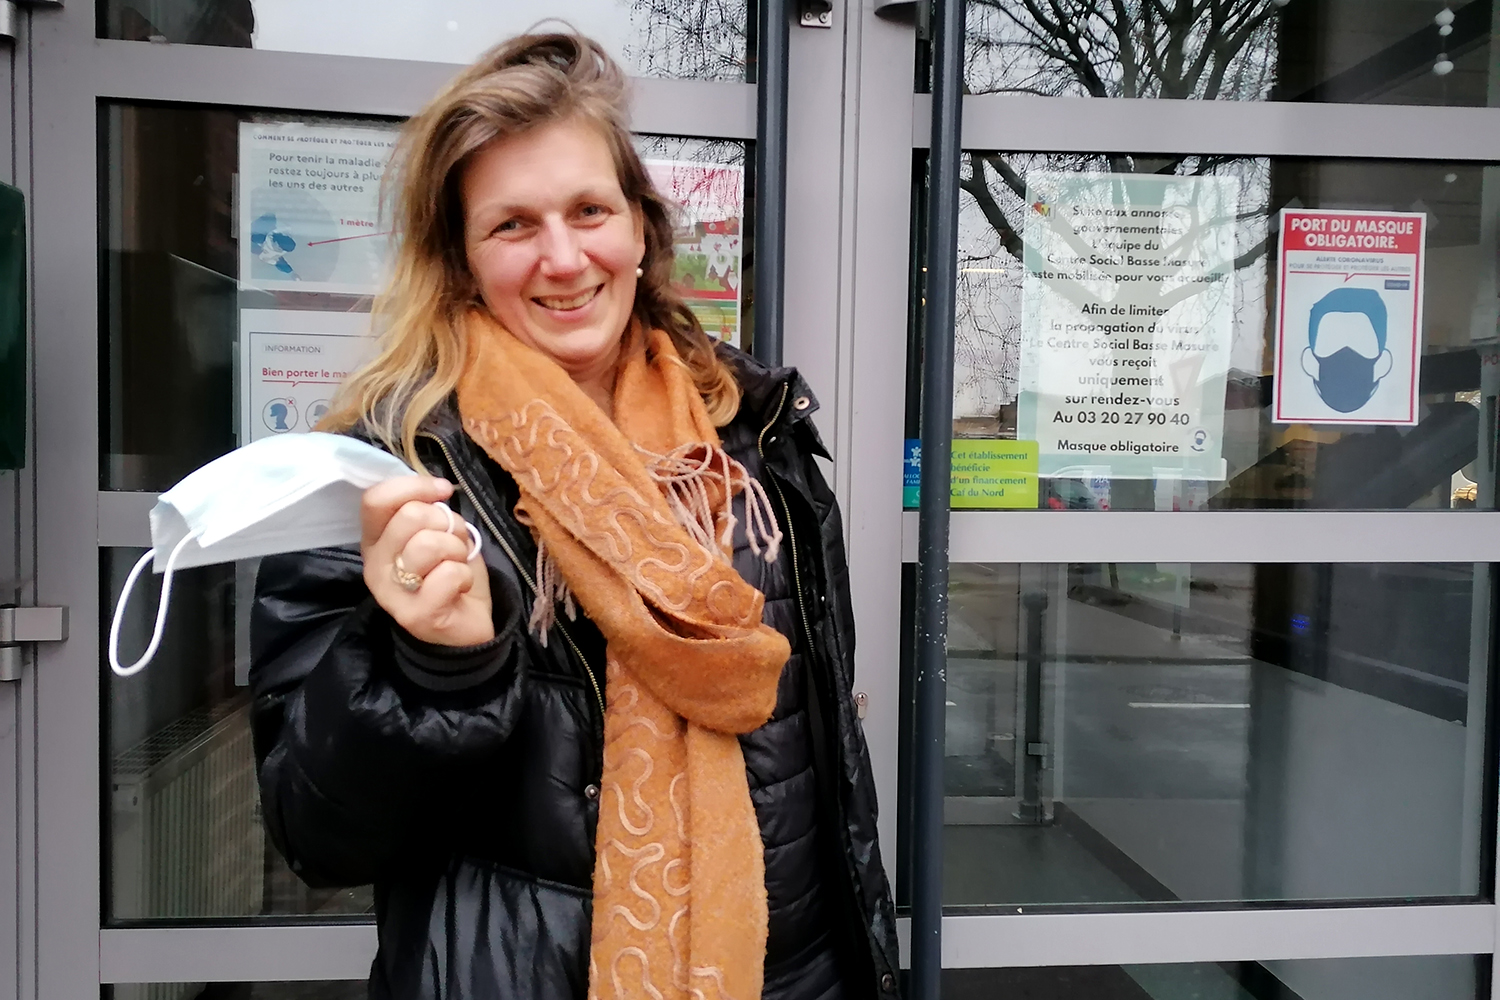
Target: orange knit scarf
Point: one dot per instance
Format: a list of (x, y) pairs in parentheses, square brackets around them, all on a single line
[(632, 519)]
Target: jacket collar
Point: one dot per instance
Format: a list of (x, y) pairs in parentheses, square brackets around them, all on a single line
[(760, 388)]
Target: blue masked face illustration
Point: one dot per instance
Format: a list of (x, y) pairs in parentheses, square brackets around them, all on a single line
[(1345, 354)]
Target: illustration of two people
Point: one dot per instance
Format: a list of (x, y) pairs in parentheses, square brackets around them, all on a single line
[(1346, 356), (271, 246)]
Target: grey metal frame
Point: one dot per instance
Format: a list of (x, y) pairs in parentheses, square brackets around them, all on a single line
[(872, 329), (1125, 938), (236, 954), (1230, 128), (61, 949), (17, 568), (1264, 536)]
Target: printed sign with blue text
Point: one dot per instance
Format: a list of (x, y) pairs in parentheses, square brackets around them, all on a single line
[(309, 200), (1349, 317)]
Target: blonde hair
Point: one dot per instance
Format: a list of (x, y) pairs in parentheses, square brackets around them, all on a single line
[(522, 83)]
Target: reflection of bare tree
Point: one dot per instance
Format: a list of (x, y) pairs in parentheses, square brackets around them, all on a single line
[(1203, 49), (703, 187), (1207, 49), (689, 39)]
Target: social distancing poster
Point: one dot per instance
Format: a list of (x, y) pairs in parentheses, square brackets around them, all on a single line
[(1128, 314), (1349, 317), (309, 202)]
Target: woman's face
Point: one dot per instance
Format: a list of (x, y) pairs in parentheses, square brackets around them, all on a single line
[(553, 243)]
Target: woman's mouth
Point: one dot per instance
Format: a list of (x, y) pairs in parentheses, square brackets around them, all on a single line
[(567, 303)]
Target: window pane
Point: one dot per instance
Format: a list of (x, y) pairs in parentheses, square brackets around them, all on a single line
[(184, 836), (1120, 734), (661, 38), (1137, 318), (242, 249), (181, 329), (1342, 51), (237, 991), (1427, 977)]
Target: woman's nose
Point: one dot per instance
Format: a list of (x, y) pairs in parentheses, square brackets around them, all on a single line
[(561, 249)]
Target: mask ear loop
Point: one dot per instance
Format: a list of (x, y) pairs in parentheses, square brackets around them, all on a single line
[(474, 534), (161, 611)]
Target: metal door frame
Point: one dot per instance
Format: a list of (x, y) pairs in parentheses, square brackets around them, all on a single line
[(872, 491), (17, 570), (64, 950)]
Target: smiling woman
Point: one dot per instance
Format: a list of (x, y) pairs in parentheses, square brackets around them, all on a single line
[(556, 247), (618, 755)]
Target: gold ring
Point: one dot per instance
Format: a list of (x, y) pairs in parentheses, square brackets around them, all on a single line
[(408, 581)]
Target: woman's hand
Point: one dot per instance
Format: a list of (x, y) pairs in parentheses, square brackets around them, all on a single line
[(451, 606)]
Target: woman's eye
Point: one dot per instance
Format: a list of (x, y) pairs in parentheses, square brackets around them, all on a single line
[(591, 211), (508, 226)]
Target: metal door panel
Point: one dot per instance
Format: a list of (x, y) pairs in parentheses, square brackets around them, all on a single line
[(65, 321)]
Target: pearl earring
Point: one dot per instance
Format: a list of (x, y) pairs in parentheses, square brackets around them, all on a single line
[(639, 273)]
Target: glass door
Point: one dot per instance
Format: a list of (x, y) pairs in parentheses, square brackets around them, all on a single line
[(1221, 639), (169, 272)]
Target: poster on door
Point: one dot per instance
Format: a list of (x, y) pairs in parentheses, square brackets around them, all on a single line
[(1127, 318), (310, 217), (1349, 317), (292, 363), (707, 272)]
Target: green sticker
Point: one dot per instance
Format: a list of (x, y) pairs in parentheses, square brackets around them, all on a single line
[(994, 474)]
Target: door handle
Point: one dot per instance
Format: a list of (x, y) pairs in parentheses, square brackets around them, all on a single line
[(8, 14), (20, 627)]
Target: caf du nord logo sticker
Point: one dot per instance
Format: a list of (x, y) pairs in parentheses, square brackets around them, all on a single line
[(1349, 317)]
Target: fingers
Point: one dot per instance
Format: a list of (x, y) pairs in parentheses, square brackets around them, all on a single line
[(427, 549), (400, 518), (382, 501), (412, 518), (451, 608), (442, 587)]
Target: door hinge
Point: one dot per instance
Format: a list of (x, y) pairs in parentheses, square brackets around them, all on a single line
[(815, 13), (21, 627)]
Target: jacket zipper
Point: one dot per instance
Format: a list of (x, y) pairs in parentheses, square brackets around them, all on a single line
[(525, 575), (786, 511)]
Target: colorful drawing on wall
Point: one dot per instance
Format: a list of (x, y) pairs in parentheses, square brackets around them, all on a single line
[(708, 272)]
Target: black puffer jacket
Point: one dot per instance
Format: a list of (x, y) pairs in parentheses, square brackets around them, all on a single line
[(464, 783)]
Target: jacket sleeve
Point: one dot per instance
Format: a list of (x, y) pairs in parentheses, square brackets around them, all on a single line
[(357, 724)]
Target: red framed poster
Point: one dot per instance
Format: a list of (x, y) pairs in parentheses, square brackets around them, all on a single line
[(1349, 317)]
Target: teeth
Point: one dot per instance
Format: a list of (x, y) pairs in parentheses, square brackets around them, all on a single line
[(573, 303)]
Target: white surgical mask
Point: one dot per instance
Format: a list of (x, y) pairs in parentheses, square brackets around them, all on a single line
[(280, 494)]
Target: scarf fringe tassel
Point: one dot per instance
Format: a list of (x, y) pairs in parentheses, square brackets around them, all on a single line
[(690, 478)]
